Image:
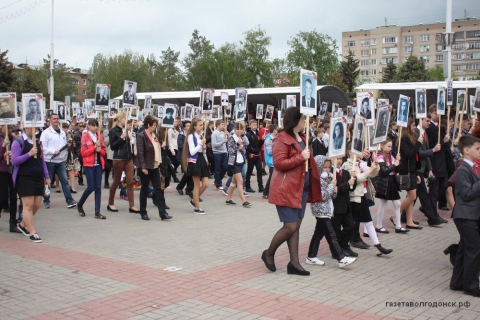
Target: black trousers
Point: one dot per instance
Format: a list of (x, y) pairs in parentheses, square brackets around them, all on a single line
[(423, 196), (153, 176), (343, 224), (467, 260), (436, 188), (324, 227), (256, 163), (267, 186), (185, 181), (108, 169), (8, 194), (80, 172)]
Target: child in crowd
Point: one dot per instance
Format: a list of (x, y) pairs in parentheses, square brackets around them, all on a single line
[(267, 146), (318, 145)]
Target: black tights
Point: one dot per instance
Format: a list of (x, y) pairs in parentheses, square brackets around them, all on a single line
[(290, 232)]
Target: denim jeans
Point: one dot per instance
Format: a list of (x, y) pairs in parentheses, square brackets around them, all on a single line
[(244, 172), (94, 183), (58, 168), (221, 163)]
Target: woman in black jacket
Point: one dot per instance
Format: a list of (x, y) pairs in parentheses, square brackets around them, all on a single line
[(122, 161), (409, 163), (149, 158)]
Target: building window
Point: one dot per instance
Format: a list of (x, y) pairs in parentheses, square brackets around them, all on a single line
[(75, 81), (409, 39), (351, 43), (373, 42), (439, 57), (473, 45), (373, 52), (425, 59), (409, 49), (475, 66), (472, 56), (439, 47), (365, 53), (373, 62), (84, 82), (424, 48), (353, 52), (84, 92), (373, 72), (425, 37), (389, 50), (473, 34), (365, 43), (458, 67), (390, 40), (457, 56), (364, 62), (458, 46), (460, 35), (387, 60)]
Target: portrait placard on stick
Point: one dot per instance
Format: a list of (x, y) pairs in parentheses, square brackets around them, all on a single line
[(215, 110), (60, 109), (383, 102), (308, 90), (338, 137), (170, 113), (133, 113), (197, 112), (358, 135), (224, 99), (335, 109), (402, 110), (228, 111), (8, 103), (188, 111), (148, 102), (349, 114), (420, 103), (259, 112), (48, 113), (33, 110), (381, 127), (269, 113), (280, 119), (291, 101), (476, 105), (365, 107), (80, 113), (90, 108), (449, 92), (113, 107), (182, 113), (206, 100), (160, 112), (239, 110), (129, 93), (472, 111), (441, 100), (102, 96), (460, 98), (323, 110)]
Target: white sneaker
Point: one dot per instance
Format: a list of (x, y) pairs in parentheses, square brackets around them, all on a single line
[(220, 188), (315, 261), (225, 192), (346, 261)]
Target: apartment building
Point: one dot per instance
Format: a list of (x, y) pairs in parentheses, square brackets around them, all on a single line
[(374, 48)]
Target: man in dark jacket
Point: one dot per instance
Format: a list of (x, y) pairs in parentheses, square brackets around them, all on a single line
[(186, 179), (254, 160)]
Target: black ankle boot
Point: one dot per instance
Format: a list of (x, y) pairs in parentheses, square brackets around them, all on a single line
[(13, 226), (382, 249), (144, 216), (165, 216), (292, 270)]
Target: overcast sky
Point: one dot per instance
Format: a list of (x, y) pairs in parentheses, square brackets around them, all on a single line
[(84, 28)]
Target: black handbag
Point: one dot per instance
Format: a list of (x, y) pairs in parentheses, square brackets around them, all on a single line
[(403, 180)]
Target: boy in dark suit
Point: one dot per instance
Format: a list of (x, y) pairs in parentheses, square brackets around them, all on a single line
[(342, 215), (318, 146), (466, 217)]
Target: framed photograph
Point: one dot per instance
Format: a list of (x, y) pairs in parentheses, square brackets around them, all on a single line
[(113, 109), (68, 101), (170, 113), (241, 93), (291, 101), (280, 119), (308, 90), (402, 110), (338, 137), (147, 111), (383, 102), (335, 109), (224, 99), (182, 113), (269, 113), (197, 112), (228, 111), (102, 96), (370, 136), (8, 103), (33, 110), (283, 105), (160, 112), (381, 127), (67, 112), (188, 112), (460, 100), (323, 110), (90, 108), (449, 92), (472, 111), (148, 102), (365, 107), (75, 105), (215, 110), (239, 109), (129, 93), (441, 100), (206, 100), (80, 113), (420, 103), (358, 135), (19, 111), (48, 113), (133, 113), (476, 104), (60, 109), (259, 112), (349, 114), (220, 113)]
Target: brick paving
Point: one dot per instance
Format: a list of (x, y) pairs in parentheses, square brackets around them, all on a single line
[(118, 268)]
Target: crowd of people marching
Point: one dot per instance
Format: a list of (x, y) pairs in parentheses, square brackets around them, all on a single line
[(143, 153)]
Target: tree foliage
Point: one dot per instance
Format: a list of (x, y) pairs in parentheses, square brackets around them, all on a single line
[(349, 73), (64, 84), (390, 72), (413, 70), (7, 75), (435, 74)]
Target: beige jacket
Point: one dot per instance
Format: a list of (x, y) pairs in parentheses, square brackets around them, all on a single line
[(357, 194)]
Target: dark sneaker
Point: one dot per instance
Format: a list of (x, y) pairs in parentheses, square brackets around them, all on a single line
[(46, 204), (35, 238), (72, 204), (193, 204), (247, 204), (199, 211), (250, 190), (230, 202), (261, 189), (23, 230)]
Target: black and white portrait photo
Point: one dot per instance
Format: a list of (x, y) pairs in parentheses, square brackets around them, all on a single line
[(170, 113), (358, 135), (206, 100), (133, 113), (402, 110), (8, 102), (291, 101), (472, 104), (197, 112), (148, 102), (335, 109), (476, 105), (182, 113), (113, 107), (160, 111), (441, 100), (381, 128), (269, 113), (337, 137), (90, 108), (372, 146), (259, 112), (365, 107), (224, 99), (349, 114), (383, 102), (228, 111), (102, 96), (323, 110), (80, 113), (129, 93), (308, 90), (239, 109), (48, 113), (59, 108), (215, 112), (460, 102), (33, 110), (188, 112), (421, 103)]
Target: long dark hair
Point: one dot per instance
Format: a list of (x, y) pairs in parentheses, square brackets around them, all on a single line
[(290, 120), (185, 152), (406, 132)]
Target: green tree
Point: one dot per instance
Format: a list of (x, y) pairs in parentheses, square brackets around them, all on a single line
[(349, 72), (390, 72), (435, 74), (254, 52), (199, 64), (229, 66), (312, 51), (169, 70), (26, 82), (413, 70), (7, 75)]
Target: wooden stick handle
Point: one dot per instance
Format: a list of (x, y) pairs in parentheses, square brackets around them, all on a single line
[(334, 170), (34, 140), (306, 141), (399, 139), (7, 158), (439, 127)]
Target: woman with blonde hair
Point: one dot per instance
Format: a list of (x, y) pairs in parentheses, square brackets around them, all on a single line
[(122, 161)]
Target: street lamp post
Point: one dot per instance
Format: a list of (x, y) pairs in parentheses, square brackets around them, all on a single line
[(51, 66)]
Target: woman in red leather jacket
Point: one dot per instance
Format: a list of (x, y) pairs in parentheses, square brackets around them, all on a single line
[(296, 187)]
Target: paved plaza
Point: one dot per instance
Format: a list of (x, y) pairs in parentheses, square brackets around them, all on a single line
[(209, 267)]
